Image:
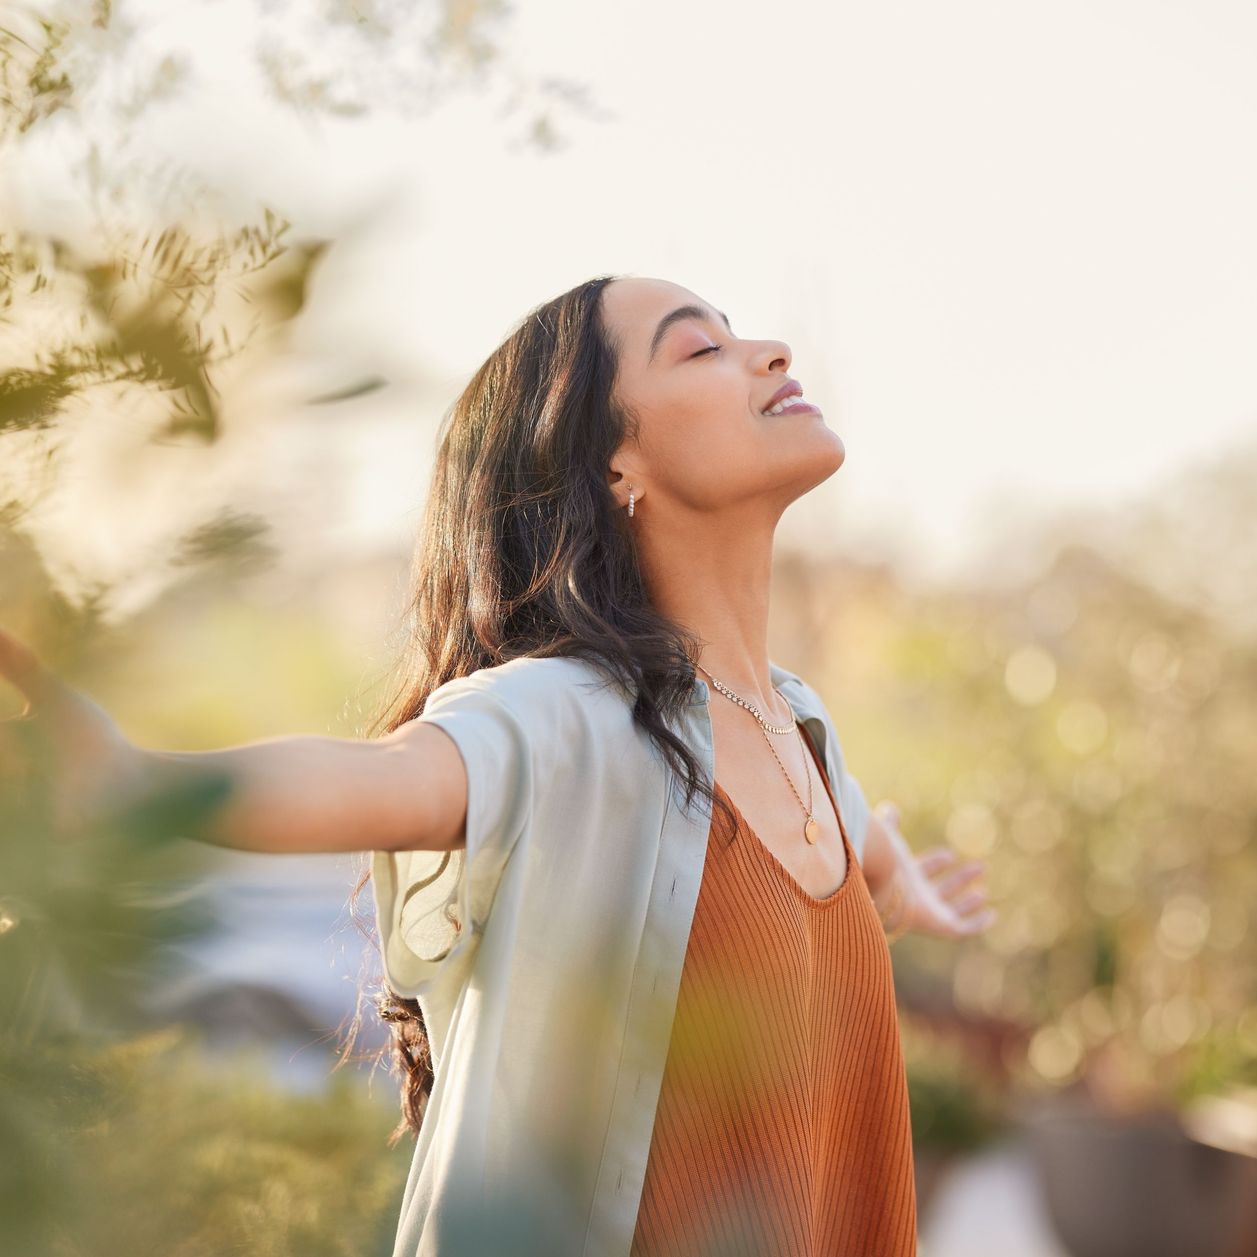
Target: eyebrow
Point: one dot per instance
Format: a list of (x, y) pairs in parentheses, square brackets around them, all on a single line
[(680, 314)]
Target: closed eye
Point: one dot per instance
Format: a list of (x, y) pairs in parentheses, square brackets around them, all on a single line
[(709, 350)]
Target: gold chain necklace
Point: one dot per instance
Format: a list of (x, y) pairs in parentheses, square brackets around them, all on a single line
[(811, 829)]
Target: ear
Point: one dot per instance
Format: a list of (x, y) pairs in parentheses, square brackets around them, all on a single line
[(621, 481)]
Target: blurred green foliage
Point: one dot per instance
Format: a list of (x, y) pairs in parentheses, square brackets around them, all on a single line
[(148, 308), (954, 1103), (121, 1138), (1091, 740), (114, 1149)]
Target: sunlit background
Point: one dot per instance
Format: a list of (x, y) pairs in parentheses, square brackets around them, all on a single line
[(251, 252)]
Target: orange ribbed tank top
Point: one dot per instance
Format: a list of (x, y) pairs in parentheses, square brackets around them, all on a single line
[(782, 1128)]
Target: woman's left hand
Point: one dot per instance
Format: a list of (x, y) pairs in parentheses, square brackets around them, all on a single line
[(937, 897)]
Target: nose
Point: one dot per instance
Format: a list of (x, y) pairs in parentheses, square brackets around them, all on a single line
[(772, 353)]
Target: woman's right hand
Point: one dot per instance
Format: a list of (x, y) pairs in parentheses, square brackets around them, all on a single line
[(62, 734)]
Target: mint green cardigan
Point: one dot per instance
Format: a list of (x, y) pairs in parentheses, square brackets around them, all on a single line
[(547, 955)]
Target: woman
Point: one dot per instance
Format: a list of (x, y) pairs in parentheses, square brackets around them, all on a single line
[(627, 891)]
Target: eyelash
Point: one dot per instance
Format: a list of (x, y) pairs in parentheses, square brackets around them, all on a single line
[(708, 350)]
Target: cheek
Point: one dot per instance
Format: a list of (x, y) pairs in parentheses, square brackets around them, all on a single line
[(699, 425), (715, 409), (701, 448)]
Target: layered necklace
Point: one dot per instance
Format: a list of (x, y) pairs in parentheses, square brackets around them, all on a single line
[(811, 829)]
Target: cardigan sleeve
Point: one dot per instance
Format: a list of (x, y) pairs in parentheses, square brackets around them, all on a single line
[(431, 906)]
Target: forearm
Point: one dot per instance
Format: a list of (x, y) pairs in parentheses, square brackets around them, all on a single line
[(884, 852), (283, 795)]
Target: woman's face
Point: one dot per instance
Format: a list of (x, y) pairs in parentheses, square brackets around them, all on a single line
[(699, 392)]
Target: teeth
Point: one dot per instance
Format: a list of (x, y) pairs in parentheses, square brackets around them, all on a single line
[(780, 406)]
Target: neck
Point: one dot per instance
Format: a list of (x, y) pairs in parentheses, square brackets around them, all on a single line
[(713, 577)]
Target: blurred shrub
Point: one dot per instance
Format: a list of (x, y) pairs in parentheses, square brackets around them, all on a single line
[(136, 1147), (955, 1105)]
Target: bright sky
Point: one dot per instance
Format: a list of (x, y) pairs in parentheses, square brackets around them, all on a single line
[(1011, 245)]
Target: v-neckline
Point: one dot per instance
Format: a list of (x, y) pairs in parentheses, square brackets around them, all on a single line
[(806, 896)]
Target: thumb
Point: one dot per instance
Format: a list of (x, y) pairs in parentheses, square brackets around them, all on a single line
[(21, 667), (888, 812)]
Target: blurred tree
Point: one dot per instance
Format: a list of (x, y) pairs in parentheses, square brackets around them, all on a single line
[(134, 315), (142, 306)]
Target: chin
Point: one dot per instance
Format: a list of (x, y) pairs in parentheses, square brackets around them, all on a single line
[(827, 456), (829, 447)]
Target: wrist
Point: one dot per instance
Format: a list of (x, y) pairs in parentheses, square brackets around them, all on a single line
[(891, 902)]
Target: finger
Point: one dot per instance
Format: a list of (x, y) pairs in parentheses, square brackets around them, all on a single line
[(969, 903), (935, 859), (956, 880), (22, 667), (958, 925), (888, 812), (983, 921), (948, 924)]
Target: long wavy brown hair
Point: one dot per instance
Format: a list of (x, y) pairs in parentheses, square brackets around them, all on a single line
[(523, 551)]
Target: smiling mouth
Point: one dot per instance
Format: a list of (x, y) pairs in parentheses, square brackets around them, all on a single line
[(790, 406)]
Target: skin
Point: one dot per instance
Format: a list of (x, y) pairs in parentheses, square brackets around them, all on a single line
[(711, 476)]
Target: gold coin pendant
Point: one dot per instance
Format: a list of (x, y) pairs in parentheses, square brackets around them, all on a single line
[(811, 830)]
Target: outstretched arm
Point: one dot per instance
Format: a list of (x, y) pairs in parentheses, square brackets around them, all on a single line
[(285, 795), (302, 794)]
